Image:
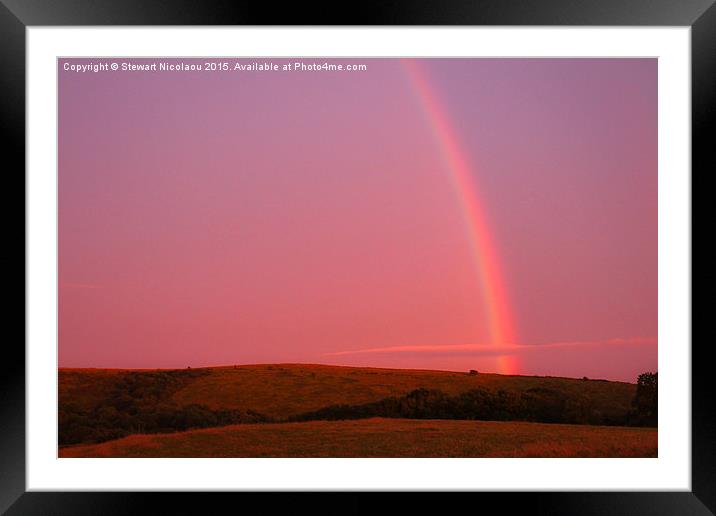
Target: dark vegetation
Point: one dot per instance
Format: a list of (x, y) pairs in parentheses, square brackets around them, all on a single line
[(142, 402), (645, 408), (536, 405)]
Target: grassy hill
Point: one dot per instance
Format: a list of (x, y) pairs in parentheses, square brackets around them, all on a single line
[(385, 438), (97, 405), (284, 390)]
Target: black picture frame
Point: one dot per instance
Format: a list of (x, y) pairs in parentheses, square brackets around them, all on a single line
[(16, 15)]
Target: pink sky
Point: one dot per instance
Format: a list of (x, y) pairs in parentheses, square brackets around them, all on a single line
[(210, 218)]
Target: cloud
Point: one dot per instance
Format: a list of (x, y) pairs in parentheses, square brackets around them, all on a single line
[(492, 350)]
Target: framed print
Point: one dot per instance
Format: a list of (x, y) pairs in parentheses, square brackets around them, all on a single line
[(435, 250)]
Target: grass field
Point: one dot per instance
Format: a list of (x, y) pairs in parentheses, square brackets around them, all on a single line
[(283, 390), (385, 438)]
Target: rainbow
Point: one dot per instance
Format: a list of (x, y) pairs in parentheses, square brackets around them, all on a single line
[(501, 325)]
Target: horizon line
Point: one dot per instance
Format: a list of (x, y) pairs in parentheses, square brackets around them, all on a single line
[(318, 364)]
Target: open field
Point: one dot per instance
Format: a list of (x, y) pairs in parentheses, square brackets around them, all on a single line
[(283, 390), (385, 438)]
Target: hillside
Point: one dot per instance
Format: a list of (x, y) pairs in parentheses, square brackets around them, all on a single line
[(284, 390), (97, 405)]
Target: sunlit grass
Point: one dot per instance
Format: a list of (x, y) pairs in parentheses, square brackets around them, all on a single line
[(385, 438)]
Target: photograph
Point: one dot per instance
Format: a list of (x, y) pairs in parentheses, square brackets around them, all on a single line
[(448, 257)]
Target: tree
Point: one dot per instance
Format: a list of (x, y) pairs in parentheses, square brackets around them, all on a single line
[(645, 404)]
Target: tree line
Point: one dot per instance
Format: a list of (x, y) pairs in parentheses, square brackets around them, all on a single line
[(537, 404)]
